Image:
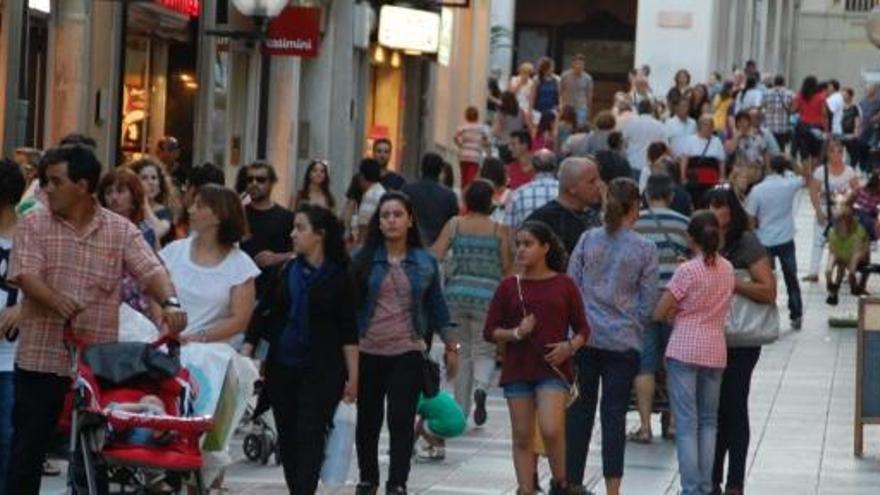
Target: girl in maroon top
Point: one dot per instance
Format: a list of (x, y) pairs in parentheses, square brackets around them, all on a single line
[(533, 313)]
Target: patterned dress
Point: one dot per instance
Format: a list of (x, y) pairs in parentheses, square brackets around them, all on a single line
[(475, 270)]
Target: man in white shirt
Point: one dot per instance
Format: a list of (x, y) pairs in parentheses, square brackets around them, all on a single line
[(679, 126), (770, 204), (370, 181), (639, 132), (835, 104), (702, 160)]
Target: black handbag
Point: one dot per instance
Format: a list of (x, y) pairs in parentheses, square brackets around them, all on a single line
[(125, 362)]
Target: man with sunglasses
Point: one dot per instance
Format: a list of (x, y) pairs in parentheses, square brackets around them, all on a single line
[(12, 186), (269, 243)]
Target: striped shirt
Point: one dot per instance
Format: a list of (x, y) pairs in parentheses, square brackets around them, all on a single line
[(472, 140), (668, 230)]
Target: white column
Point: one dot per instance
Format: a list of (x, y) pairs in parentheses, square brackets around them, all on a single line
[(69, 69), (10, 67), (203, 128), (502, 17), (282, 119)]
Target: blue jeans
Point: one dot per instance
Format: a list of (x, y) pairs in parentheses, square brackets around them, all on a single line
[(7, 388), (694, 392), (616, 370), (786, 254)]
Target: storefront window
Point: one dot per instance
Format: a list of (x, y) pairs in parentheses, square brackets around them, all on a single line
[(159, 83)]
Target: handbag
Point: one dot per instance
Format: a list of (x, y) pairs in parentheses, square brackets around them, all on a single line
[(704, 171), (751, 323), (574, 389)]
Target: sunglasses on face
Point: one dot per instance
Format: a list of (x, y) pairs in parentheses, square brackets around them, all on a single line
[(259, 179)]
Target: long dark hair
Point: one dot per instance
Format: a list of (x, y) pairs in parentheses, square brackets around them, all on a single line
[(706, 233), (509, 104), (739, 222), (621, 199), (323, 221), (325, 187), (557, 258), (376, 239), (809, 87)]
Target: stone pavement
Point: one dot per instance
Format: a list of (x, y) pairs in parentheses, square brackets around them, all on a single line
[(802, 405)]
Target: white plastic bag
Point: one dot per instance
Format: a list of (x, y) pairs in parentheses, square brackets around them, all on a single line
[(337, 454), (135, 327)]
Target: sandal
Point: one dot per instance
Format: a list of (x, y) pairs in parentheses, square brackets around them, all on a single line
[(640, 436)]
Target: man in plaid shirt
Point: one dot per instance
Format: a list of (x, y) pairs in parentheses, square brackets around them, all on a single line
[(540, 191), (777, 107), (69, 260)]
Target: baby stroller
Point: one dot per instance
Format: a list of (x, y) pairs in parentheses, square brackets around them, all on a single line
[(261, 439), (102, 453)]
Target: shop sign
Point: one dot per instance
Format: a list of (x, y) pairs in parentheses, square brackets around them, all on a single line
[(409, 29), (186, 7), (296, 32)]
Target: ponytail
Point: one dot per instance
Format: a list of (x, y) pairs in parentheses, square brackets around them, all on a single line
[(706, 233), (621, 199)]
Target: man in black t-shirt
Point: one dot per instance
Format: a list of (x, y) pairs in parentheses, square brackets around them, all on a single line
[(570, 214), (270, 224), (391, 181)]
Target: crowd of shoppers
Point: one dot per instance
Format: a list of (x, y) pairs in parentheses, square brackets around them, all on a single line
[(571, 244)]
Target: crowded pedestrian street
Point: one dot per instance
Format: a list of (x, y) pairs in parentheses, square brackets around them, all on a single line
[(364, 247), (802, 401)]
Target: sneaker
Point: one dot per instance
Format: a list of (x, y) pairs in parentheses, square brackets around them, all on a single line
[(796, 323), (480, 414), (832, 299), (430, 453)]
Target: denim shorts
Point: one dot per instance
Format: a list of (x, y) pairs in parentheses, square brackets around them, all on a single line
[(517, 390), (654, 347)]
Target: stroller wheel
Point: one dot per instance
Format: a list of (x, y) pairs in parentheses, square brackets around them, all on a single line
[(268, 447), (253, 447)]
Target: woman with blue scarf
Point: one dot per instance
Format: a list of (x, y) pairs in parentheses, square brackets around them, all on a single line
[(309, 319)]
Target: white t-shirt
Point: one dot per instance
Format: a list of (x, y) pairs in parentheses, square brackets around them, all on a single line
[(836, 105), (771, 202), (639, 133), (693, 146), (205, 292), (748, 99), (837, 183), (8, 297), (677, 131)]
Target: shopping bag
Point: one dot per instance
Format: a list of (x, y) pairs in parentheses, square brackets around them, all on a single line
[(134, 326), (337, 454)]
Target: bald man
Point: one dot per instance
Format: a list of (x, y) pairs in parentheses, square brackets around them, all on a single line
[(572, 212)]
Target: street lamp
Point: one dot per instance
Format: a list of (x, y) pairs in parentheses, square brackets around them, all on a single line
[(261, 11), (260, 8)]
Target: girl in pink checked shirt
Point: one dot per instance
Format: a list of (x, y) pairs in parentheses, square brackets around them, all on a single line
[(697, 299)]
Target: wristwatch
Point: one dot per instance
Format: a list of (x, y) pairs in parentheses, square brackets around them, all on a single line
[(171, 302), (453, 348)]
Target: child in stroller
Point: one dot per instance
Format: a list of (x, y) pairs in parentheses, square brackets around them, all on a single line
[(130, 416)]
